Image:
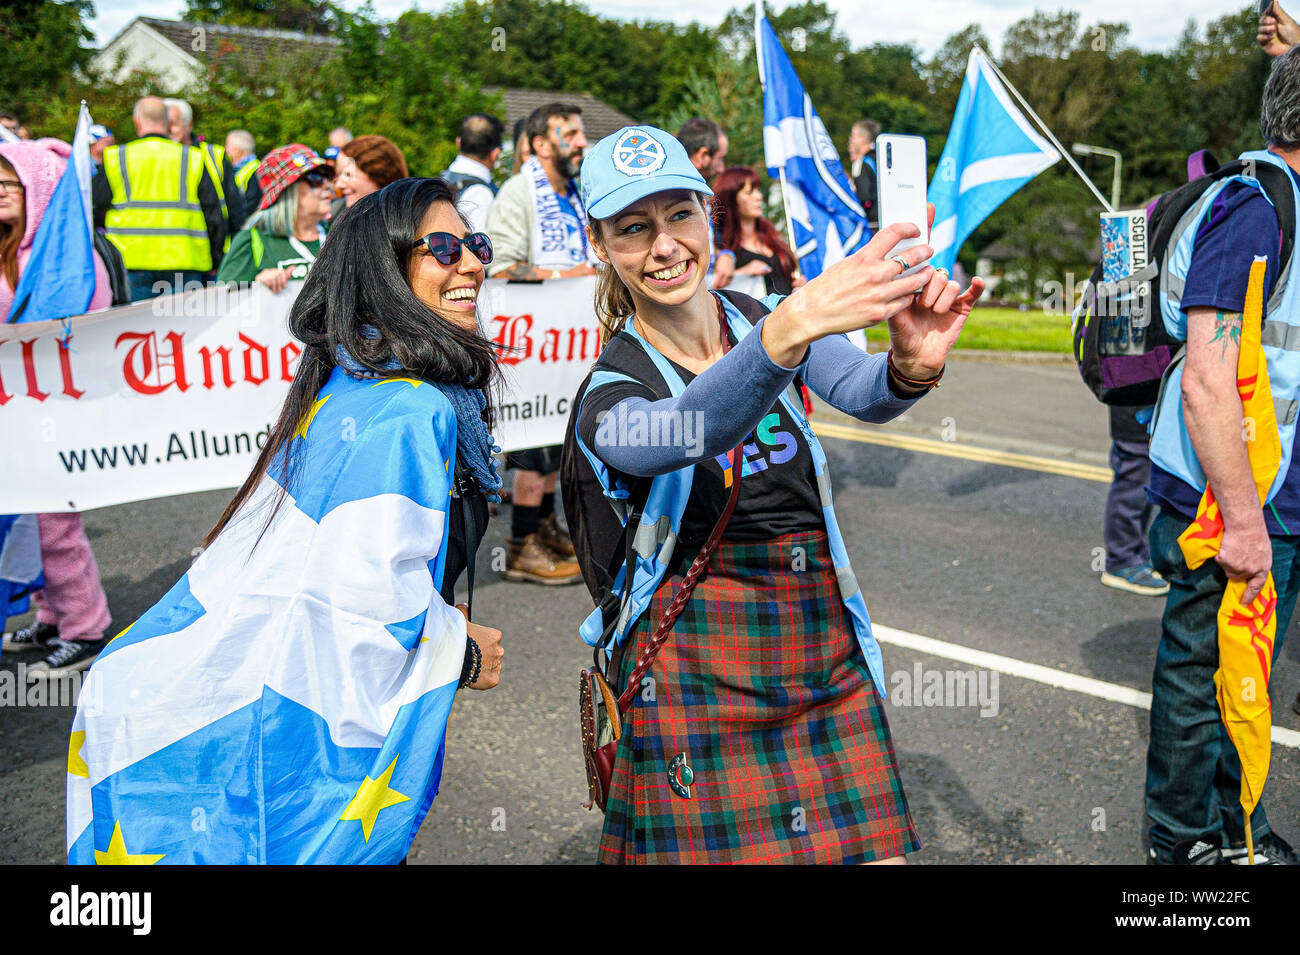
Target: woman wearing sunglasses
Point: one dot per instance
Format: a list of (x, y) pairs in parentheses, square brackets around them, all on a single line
[(757, 732), (282, 239), (292, 690)]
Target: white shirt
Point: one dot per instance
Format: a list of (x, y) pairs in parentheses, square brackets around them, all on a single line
[(475, 199)]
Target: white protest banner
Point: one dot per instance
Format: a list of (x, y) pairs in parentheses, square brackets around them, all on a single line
[(177, 394)]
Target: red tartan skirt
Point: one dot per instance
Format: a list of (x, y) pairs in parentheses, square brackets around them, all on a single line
[(759, 736)]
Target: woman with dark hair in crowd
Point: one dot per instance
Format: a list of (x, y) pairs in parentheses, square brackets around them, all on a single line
[(752, 726), (281, 240), (367, 164), (742, 230), (72, 611), (320, 616)]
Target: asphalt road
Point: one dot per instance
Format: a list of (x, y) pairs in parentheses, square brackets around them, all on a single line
[(979, 555)]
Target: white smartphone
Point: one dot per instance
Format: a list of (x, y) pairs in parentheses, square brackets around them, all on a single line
[(901, 187)]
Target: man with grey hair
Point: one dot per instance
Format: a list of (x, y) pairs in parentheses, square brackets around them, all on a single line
[(1193, 783), (240, 150), (862, 166), (157, 203), (180, 122)]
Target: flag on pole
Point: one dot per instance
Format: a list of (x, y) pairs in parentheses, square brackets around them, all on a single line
[(7, 135), (992, 150), (827, 221), (59, 278), (1246, 631)]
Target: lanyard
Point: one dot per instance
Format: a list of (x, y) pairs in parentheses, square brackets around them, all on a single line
[(301, 249)]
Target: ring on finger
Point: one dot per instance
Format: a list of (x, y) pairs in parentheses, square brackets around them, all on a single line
[(902, 263)]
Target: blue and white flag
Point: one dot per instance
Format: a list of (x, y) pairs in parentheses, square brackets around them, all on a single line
[(287, 702), (828, 222), (20, 563), (59, 278), (992, 150)]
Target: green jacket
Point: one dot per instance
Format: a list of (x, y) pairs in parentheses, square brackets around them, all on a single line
[(251, 251)]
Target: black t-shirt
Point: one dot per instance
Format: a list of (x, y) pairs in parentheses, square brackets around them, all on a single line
[(778, 491), (777, 282)]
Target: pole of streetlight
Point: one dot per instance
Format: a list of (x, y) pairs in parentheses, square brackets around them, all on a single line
[(1083, 149)]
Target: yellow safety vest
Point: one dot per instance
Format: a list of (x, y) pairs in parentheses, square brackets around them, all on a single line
[(213, 157), (155, 218), (245, 173)]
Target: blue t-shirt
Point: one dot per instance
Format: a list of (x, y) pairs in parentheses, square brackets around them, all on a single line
[(1240, 225)]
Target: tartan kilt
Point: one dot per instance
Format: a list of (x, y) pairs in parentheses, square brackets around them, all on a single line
[(764, 689)]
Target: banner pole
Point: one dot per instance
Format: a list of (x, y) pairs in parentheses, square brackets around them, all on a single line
[(789, 228), (1065, 153)]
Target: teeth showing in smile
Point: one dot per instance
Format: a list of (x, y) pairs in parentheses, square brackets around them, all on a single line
[(672, 273), (467, 293)]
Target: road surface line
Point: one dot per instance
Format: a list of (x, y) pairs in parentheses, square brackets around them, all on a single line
[(1041, 674), (951, 449)]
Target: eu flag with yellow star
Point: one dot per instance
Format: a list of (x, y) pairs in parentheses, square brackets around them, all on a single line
[(287, 700)]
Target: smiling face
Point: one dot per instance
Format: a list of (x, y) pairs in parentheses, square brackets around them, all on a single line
[(353, 182), (13, 208), (659, 246), (313, 201), (450, 290)]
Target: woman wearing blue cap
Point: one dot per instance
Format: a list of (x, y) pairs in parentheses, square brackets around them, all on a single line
[(752, 726)]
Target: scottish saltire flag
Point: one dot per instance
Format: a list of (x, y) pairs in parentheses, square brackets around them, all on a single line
[(288, 703), (20, 562), (828, 222), (59, 278), (992, 150), (7, 135)]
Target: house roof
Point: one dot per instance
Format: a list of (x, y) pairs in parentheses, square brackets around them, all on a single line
[(598, 118), (255, 46)]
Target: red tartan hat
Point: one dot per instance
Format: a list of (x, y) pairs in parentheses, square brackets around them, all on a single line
[(284, 166)]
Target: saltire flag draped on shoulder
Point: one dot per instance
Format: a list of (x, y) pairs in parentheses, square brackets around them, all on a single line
[(1246, 631), (59, 278), (828, 222), (288, 702), (20, 562), (991, 151)]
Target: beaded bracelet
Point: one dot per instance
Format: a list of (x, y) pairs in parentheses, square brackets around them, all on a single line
[(469, 673)]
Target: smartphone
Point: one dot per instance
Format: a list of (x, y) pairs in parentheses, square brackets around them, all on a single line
[(1265, 6), (901, 187)]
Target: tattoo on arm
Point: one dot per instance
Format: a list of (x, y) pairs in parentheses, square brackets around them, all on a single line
[(1227, 330), (522, 271)]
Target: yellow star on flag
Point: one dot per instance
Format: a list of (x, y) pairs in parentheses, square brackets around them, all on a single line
[(373, 796), (305, 423), (413, 382), (76, 765), (117, 854)]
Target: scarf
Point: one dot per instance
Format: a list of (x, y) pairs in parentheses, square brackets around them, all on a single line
[(474, 443), (559, 238)]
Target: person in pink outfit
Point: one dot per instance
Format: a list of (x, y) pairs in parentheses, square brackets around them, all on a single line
[(72, 611)]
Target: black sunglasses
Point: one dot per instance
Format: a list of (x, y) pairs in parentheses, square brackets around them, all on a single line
[(445, 247), (317, 178)]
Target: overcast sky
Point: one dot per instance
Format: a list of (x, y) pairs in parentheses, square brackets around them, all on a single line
[(866, 21)]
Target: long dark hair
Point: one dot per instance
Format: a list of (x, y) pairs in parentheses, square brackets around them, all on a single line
[(362, 277), (728, 186)]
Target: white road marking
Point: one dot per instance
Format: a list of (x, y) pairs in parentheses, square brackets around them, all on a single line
[(1041, 674)]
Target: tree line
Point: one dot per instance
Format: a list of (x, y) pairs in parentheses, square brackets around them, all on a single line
[(413, 78)]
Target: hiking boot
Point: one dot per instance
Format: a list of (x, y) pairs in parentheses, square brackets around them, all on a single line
[(66, 656), (1270, 849), (555, 538), (1201, 851), (37, 636), (529, 561), (1138, 579)]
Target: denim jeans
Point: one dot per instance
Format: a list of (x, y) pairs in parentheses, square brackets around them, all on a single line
[(143, 282), (1193, 784)]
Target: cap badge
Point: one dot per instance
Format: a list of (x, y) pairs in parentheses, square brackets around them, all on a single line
[(636, 154)]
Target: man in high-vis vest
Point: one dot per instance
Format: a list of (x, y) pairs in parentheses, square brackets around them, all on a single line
[(1201, 439), (158, 205), (180, 126), (240, 150)]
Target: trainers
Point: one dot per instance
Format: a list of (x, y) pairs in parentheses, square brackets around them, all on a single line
[(66, 656), (1201, 851), (1270, 849), (555, 538), (1138, 579), (529, 561), (37, 636)]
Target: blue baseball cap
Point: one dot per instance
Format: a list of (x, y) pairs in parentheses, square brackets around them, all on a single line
[(635, 162)]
